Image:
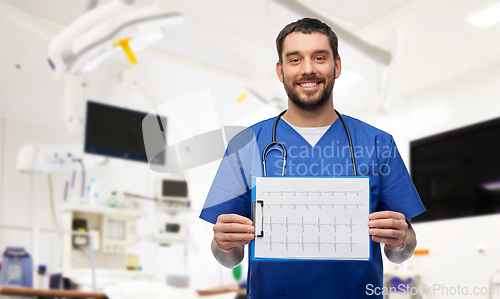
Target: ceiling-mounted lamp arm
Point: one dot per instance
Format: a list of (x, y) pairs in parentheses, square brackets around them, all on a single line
[(274, 101), (378, 54)]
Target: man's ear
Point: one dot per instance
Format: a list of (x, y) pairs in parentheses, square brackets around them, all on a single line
[(279, 71), (338, 67)]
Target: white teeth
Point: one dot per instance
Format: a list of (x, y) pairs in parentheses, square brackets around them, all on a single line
[(308, 84)]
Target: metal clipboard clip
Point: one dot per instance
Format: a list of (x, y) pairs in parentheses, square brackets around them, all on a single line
[(258, 218)]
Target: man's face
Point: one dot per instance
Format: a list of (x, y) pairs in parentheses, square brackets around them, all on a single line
[(308, 70)]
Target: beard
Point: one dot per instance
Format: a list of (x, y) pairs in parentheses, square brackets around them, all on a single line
[(309, 101)]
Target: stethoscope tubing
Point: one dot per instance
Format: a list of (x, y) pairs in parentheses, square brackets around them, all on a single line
[(281, 147)]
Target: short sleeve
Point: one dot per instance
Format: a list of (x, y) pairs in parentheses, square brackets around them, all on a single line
[(230, 192), (397, 192)]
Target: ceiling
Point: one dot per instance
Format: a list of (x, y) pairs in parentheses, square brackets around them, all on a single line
[(429, 39)]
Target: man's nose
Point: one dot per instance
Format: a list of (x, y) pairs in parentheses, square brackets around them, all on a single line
[(308, 67)]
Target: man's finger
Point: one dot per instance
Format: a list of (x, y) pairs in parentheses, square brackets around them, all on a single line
[(386, 215), (386, 233), (235, 237), (233, 218), (388, 223), (234, 228)]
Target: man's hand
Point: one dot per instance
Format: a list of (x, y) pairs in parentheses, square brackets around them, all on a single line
[(232, 230), (389, 228)]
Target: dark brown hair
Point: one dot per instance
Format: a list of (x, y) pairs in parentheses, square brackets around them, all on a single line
[(307, 26)]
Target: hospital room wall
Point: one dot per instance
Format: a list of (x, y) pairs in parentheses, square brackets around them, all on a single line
[(454, 244), (32, 111), (27, 109)]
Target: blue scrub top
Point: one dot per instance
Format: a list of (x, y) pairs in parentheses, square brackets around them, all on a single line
[(376, 156)]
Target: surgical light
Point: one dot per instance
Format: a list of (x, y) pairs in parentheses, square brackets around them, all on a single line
[(99, 33)]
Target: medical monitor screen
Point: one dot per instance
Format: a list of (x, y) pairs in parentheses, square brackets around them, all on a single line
[(172, 227), (174, 188), (115, 229), (457, 173), (116, 132)]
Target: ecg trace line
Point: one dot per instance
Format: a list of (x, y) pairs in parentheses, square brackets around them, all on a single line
[(294, 205), (302, 244), (303, 224), (310, 192)]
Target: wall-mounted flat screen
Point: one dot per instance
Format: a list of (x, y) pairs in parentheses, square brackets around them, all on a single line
[(457, 173), (117, 132)]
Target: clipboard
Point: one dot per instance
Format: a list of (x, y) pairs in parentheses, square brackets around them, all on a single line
[(311, 218)]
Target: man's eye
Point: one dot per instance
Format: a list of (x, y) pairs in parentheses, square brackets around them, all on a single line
[(295, 60), (320, 58)]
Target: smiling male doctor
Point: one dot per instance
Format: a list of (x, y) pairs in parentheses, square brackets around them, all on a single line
[(308, 66)]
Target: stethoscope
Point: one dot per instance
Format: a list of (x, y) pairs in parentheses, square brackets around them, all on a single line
[(282, 149)]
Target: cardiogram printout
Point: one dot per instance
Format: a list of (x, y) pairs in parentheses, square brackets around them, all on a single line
[(311, 218)]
